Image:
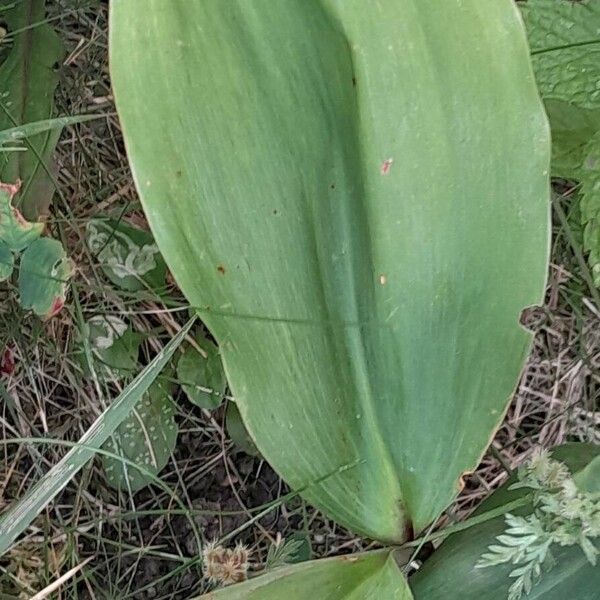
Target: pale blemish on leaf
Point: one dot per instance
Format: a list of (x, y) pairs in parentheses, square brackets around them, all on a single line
[(117, 251)]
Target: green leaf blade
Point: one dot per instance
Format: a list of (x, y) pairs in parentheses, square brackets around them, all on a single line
[(341, 213), (369, 576), (29, 78)]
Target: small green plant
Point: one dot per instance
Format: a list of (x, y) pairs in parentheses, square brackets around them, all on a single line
[(44, 268), (563, 515), (114, 346), (43, 275), (237, 430), (201, 374), (146, 437), (292, 550), (30, 50)]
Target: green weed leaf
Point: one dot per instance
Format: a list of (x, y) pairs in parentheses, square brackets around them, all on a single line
[(15, 231), (115, 346), (147, 437), (543, 549), (237, 430), (564, 37), (202, 377), (565, 45), (289, 551), (6, 261), (43, 276)]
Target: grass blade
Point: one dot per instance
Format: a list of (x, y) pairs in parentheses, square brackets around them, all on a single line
[(28, 129), (23, 512)]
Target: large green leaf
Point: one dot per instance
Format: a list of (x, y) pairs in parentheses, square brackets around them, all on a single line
[(370, 576), (28, 78), (450, 574), (355, 197)]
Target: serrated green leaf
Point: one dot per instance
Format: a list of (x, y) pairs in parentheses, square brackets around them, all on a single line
[(202, 378), (355, 197), (147, 437), (565, 43), (22, 132), (564, 37), (128, 256), (15, 231), (43, 275), (237, 431), (451, 572), (369, 576), (29, 79), (6, 261)]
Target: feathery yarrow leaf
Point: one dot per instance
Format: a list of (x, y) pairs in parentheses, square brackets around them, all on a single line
[(562, 515)]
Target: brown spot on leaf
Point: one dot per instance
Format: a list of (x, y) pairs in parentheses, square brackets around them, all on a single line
[(349, 558), (386, 165), (221, 269)]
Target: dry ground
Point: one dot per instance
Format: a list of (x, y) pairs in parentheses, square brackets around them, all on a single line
[(144, 546)]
